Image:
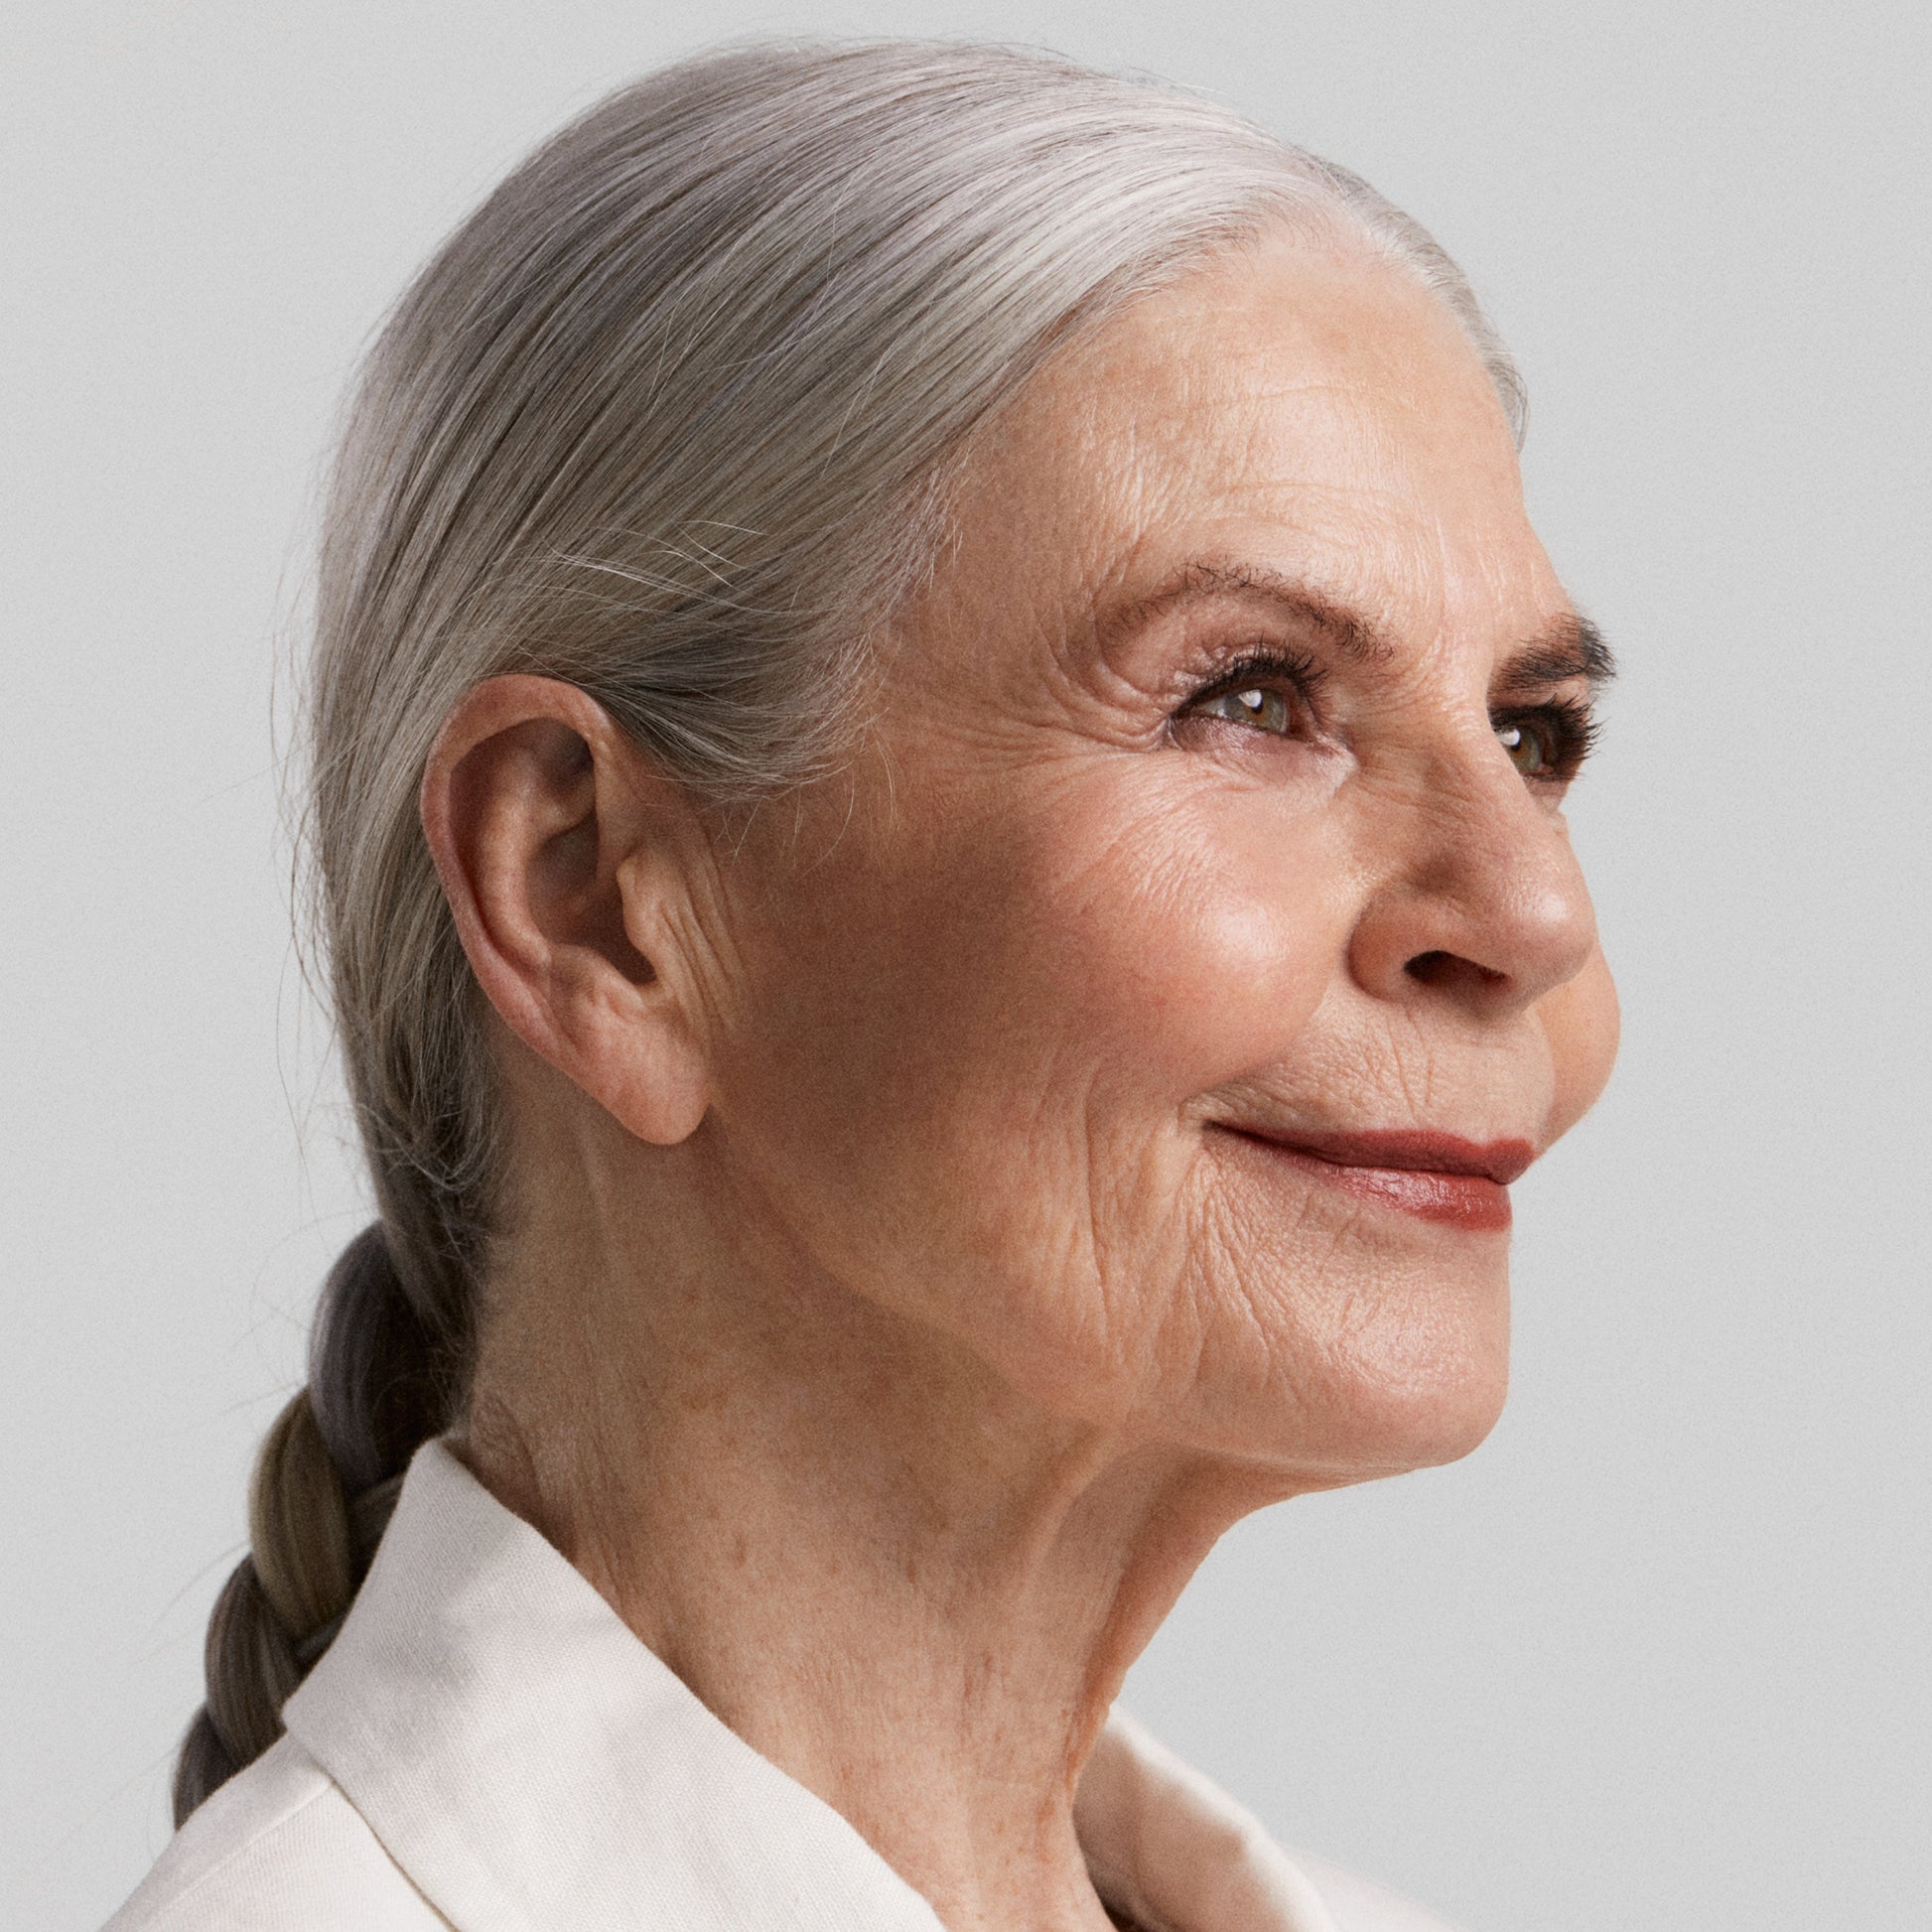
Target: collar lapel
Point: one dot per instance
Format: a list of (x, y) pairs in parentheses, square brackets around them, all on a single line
[(1175, 1853), (531, 1766)]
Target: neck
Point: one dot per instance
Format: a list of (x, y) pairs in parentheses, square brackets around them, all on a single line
[(896, 1578)]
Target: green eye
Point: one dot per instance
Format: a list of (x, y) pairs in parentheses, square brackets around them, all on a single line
[(1527, 749), (1265, 710)]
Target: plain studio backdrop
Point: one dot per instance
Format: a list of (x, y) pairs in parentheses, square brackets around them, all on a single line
[(1654, 1657)]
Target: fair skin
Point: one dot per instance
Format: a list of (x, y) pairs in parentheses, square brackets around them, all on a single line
[(909, 1269)]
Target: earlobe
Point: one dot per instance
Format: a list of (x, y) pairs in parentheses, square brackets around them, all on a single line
[(654, 1084), (558, 848)]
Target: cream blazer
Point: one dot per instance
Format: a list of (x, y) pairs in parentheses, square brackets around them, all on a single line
[(487, 1746)]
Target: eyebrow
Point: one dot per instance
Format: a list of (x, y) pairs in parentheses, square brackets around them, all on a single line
[(1347, 630), (1570, 646)]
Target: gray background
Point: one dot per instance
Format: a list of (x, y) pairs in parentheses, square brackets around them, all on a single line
[(1655, 1656)]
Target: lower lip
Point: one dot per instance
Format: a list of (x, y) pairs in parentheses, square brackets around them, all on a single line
[(1461, 1200)]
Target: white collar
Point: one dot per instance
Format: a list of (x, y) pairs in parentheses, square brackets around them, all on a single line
[(530, 1764)]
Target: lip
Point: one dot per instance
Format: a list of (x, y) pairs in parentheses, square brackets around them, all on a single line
[(1440, 1178)]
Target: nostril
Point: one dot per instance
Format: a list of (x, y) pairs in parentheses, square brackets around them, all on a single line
[(1451, 970)]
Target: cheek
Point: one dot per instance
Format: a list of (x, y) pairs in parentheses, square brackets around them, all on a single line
[(967, 1082), (1185, 950), (969, 1096), (1080, 951), (1582, 1024)]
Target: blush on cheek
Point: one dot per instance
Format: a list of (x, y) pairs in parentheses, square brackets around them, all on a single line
[(1197, 979), (1580, 1023)]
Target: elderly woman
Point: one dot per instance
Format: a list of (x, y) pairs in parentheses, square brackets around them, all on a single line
[(938, 756)]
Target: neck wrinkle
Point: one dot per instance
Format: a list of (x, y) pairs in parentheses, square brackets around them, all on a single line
[(901, 1583)]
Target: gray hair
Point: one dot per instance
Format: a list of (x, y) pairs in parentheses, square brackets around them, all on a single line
[(671, 416)]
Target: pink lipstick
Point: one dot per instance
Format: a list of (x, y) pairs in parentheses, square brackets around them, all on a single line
[(1435, 1176)]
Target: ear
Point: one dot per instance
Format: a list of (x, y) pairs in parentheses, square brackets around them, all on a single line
[(568, 862)]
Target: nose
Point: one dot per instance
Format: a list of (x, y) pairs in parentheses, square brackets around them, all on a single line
[(1479, 899)]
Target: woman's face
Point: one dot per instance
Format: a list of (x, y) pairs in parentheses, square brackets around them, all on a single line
[(1158, 1002)]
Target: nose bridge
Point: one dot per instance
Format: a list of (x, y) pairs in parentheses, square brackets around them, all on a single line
[(1481, 889)]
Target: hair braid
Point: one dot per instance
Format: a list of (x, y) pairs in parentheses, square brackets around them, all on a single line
[(325, 1482)]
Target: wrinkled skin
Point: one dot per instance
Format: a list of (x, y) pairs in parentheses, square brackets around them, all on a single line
[(1055, 933), (886, 1181)]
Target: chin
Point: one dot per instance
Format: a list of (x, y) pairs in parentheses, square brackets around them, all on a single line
[(1370, 1397), (1441, 1425), (1419, 1416)]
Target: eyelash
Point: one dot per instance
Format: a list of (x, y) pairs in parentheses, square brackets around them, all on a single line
[(1301, 677)]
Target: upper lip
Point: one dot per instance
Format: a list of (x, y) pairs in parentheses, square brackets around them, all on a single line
[(1416, 1148)]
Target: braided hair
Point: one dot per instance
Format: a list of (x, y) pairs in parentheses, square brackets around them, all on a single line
[(325, 1482)]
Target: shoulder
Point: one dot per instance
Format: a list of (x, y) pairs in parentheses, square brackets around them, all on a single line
[(278, 1848)]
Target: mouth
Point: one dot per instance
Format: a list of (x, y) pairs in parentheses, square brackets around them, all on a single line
[(1434, 1176)]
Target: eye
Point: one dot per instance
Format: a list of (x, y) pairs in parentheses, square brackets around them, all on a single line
[(1549, 743), (1256, 704), (1265, 691), (1528, 749)]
